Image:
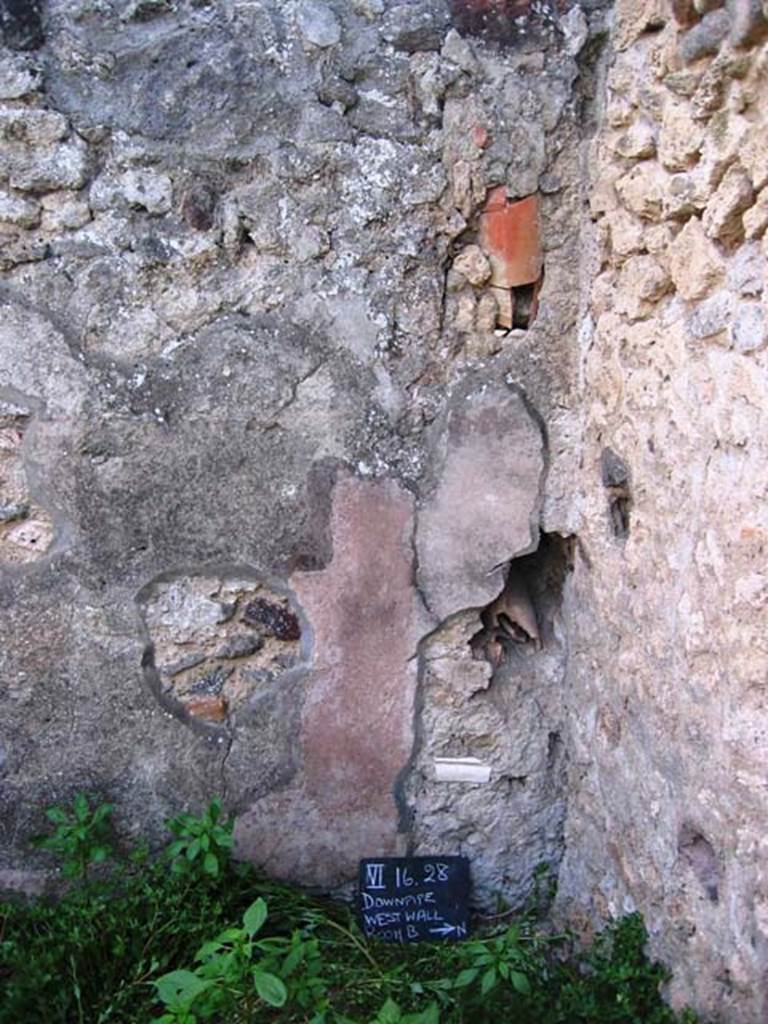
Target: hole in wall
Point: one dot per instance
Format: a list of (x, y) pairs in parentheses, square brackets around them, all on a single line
[(616, 481), (525, 304), (217, 639), (699, 855), (522, 617)]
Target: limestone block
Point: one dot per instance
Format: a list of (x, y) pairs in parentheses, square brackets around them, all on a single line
[(62, 167), (31, 126), (575, 28), (627, 233), (749, 328), (17, 77), (704, 38), (748, 22), (753, 155), (637, 143), (711, 316), (482, 510), (139, 188), (64, 211), (745, 272), (679, 140), (633, 17), (18, 210), (318, 24), (642, 282), (658, 238), (683, 197), (722, 218), (756, 217), (642, 190), (473, 264), (694, 262), (725, 138)]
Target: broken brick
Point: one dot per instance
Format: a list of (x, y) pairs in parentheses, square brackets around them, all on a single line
[(511, 237), (480, 136), (208, 708)]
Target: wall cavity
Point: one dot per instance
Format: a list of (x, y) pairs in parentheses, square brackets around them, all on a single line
[(495, 694)]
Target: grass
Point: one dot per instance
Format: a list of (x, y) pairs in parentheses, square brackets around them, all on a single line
[(191, 936)]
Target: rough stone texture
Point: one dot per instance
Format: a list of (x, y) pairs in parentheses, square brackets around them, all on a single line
[(695, 265), (667, 651), (263, 371), (509, 714), (216, 643)]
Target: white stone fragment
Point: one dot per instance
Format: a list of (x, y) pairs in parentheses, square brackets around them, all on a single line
[(575, 28), (461, 769), (711, 316), (18, 210), (746, 270), (748, 330), (318, 24), (64, 167), (17, 79)]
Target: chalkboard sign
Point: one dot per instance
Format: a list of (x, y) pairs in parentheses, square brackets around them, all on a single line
[(414, 899)]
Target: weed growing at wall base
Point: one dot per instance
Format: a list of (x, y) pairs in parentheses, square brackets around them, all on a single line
[(146, 942)]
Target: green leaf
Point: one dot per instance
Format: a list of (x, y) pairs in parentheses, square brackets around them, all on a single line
[(80, 807), (193, 849), (489, 981), (292, 961), (222, 836), (99, 854), (180, 988), (102, 812), (270, 988), (429, 1016), (56, 815), (255, 916), (214, 809), (465, 977), (520, 982), (211, 865), (389, 1013)]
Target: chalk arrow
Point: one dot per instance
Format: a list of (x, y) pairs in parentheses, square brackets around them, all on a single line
[(444, 929)]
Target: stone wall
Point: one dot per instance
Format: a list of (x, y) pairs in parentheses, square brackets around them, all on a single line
[(289, 378), (666, 619), (381, 385)]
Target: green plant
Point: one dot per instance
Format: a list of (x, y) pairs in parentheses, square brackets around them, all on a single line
[(227, 977), (81, 836), (115, 948), (202, 844), (390, 1013)]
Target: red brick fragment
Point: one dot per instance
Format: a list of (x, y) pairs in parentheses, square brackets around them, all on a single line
[(511, 238), (210, 709), (480, 136)]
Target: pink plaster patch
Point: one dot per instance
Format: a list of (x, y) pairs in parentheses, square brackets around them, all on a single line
[(357, 720)]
